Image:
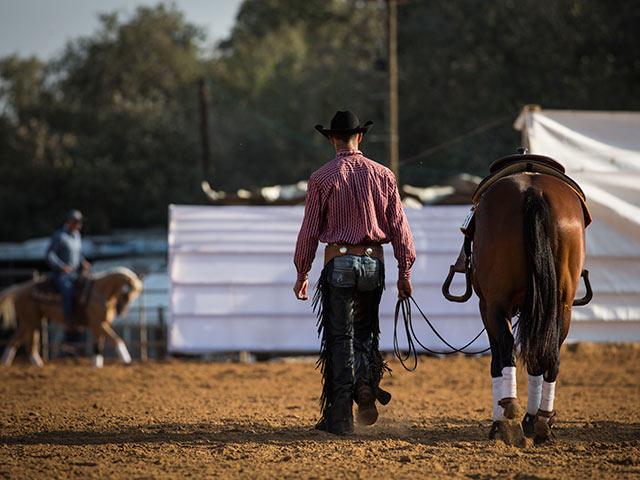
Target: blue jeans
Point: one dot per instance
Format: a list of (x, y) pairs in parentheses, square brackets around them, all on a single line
[(351, 300), (64, 282)]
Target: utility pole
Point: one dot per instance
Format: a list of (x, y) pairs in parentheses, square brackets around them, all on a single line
[(393, 89), (204, 129)]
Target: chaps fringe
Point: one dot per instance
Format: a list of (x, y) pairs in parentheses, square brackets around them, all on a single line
[(319, 297)]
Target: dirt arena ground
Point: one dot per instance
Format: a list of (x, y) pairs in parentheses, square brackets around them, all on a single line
[(187, 419)]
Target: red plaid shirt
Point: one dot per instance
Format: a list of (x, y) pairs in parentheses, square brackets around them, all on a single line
[(353, 200)]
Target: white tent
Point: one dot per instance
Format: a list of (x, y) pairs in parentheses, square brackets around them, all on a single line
[(601, 151), (231, 270)]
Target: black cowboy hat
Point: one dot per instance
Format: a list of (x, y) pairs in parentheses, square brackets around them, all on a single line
[(344, 123)]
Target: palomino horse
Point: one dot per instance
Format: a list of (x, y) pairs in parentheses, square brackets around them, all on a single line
[(527, 259), (111, 294)]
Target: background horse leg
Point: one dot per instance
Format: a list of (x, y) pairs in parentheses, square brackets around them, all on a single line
[(121, 348), (21, 336), (98, 348), (12, 347), (34, 346)]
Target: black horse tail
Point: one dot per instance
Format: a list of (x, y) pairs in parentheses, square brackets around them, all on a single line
[(538, 324)]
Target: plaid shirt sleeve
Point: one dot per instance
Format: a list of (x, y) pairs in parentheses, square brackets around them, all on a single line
[(401, 237), (307, 242)]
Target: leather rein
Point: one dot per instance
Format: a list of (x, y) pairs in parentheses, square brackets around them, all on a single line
[(404, 306)]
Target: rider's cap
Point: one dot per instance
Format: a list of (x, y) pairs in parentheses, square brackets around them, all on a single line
[(74, 215)]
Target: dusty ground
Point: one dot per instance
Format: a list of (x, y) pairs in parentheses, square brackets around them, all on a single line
[(180, 419)]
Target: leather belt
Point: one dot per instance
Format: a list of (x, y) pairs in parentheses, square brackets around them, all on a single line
[(333, 251)]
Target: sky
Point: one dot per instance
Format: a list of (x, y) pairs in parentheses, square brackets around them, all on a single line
[(43, 27)]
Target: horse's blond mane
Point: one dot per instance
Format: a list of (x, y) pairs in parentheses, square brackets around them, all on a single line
[(136, 283)]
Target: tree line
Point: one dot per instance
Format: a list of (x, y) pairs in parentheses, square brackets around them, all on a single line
[(112, 125)]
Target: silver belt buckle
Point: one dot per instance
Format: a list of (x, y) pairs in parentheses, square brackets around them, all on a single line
[(343, 250), (368, 251)]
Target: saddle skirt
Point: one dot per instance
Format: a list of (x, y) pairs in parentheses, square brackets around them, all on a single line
[(531, 164)]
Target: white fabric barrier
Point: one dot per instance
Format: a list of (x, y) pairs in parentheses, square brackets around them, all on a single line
[(231, 279), (601, 151)]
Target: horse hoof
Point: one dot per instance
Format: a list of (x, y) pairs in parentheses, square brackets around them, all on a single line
[(527, 425), (36, 360), (511, 408), (542, 424), (97, 361), (542, 432), (495, 430), (512, 434)]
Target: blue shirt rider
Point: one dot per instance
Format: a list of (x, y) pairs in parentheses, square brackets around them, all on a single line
[(64, 256)]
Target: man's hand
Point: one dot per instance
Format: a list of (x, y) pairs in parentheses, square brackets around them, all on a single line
[(404, 289), (86, 266), (66, 269), (300, 289)]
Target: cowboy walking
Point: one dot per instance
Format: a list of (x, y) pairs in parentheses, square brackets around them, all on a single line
[(353, 206)]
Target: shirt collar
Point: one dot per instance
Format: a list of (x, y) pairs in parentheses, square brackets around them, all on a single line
[(348, 153)]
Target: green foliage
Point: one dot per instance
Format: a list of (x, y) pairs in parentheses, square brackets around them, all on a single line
[(113, 131), (112, 125), (286, 67)]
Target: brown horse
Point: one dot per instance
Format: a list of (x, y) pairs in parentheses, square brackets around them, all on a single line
[(527, 259), (112, 294)]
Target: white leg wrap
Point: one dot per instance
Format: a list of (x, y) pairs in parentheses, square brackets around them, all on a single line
[(534, 394), (496, 387), (36, 360), (8, 355), (548, 395), (98, 361), (123, 353), (509, 387)]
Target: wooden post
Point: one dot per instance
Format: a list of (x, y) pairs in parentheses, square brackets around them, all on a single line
[(204, 129), (142, 316), (393, 89), (44, 338), (163, 333)]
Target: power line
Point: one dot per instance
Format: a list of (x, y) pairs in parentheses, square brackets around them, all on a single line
[(459, 138)]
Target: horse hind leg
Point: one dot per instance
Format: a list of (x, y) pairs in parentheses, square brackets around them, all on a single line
[(496, 389), (510, 427), (545, 416), (534, 395), (506, 408)]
